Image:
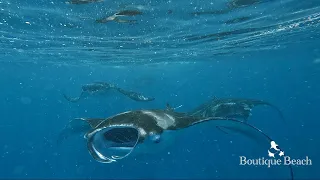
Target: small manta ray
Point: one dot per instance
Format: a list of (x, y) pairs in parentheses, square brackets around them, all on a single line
[(83, 1), (231, 108), (102, 88), (115, 17), (116, 137)]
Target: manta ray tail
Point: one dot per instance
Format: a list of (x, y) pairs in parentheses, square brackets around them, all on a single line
[(243, 128), (259, 102)]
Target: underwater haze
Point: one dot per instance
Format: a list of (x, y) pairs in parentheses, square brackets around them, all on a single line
[(183, 53)]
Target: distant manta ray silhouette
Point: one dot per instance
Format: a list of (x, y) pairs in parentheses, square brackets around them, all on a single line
[(82, 1), (116, 137), (102, 88)]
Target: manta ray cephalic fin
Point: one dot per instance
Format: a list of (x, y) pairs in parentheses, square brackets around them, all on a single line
[(170, 108), (93, 122), (77, 126)]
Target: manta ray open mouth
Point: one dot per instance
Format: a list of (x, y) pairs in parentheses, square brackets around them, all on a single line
[(111, 143)]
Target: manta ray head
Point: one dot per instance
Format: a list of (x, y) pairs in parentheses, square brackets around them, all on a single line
[(141, 132), (111, 143)]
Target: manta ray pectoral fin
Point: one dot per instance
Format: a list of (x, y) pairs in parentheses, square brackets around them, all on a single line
[(75, 99)]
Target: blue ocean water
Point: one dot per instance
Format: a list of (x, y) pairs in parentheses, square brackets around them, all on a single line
[(181, 52)]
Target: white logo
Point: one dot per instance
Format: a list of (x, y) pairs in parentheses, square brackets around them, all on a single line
[(274, 146), (280, 159)]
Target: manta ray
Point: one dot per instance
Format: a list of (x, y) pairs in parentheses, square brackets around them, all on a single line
[(102, 88), (117, 16), (230, 107), (82, 1), (114, 138)]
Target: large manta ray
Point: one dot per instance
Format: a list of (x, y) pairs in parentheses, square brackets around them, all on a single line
[(116, 137), (230, 108), (102, 88)]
